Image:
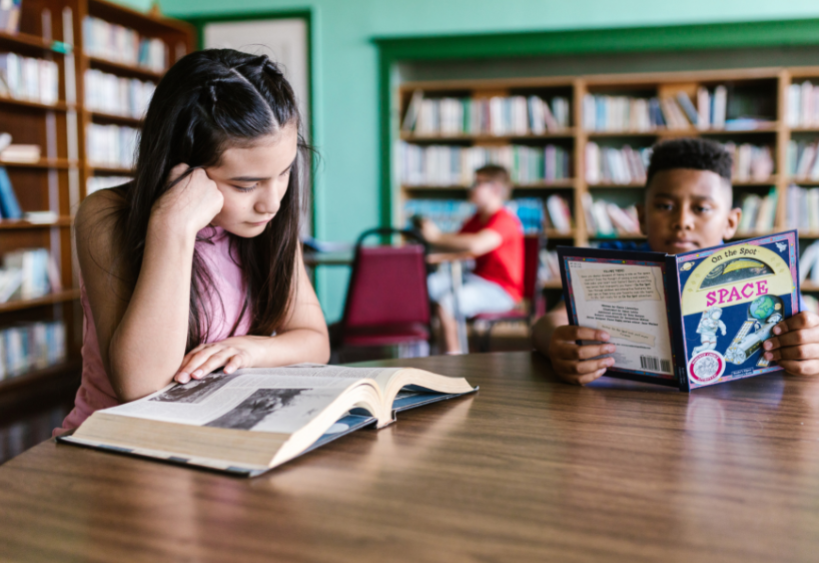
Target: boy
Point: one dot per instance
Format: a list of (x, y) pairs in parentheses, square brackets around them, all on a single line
[(688, 205), (495, 237)]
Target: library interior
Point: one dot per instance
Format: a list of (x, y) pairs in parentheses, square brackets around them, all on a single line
[(450, 159)]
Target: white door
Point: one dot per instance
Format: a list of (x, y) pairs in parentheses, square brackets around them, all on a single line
[(285, 42)]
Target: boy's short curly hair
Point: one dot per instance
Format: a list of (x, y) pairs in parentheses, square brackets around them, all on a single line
[(691, 153)]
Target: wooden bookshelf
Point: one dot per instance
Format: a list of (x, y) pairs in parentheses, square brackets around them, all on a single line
[(768, 86), (57, 181)]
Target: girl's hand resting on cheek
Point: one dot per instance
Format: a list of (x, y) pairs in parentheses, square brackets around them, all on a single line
[(190, 204), (574, 363), (232, 353), (795, 345)]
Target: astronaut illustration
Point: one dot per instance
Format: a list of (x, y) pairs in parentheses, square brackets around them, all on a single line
[(763, 314), (710, 323)]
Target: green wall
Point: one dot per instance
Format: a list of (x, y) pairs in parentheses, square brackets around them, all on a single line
[(345, 74)]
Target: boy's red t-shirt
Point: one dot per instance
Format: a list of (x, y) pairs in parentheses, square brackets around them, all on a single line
[(503, 265)]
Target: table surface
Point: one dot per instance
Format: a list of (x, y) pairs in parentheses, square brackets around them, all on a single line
[(527, 469)]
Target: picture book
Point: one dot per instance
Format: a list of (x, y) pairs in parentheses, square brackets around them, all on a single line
[(687, 320), (253, 420)]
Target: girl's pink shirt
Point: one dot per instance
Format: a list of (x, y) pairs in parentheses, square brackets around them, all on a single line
[(213, 245)]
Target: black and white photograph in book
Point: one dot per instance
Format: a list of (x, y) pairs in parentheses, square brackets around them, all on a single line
[(196, 390), (257, 407)]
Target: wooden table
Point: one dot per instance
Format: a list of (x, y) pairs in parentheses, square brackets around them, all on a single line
[(529, 469)]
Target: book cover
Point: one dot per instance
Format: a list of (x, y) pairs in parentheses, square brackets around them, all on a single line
[(687, 320), (731, 297)]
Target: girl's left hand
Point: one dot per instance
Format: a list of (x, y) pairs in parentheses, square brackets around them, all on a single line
[(232, 353)]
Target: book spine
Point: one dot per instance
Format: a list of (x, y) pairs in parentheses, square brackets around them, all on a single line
[(675, 322)]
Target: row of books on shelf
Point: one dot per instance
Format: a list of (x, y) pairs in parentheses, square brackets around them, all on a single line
[(31, 346), (626, 113), (802, 208), (607, 165), (497, 115), (441, 165), (606, 219), (803, 105), (803, 160), (10, 15), (96, 183), (627, 165), (758, 212), (751, 162), (113, 94), (29, 79), (112, 145), (450, 215), (28, 274), (120, 44)]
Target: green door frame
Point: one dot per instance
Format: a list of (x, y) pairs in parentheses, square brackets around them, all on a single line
[(199, 23), (392, 50)]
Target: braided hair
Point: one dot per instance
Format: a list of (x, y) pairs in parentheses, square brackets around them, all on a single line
[(209, 101)]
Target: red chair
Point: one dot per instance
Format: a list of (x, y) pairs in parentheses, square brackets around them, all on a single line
[(530, 308), (387, 301)]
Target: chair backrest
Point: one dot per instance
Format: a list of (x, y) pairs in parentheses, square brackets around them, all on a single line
[(531, 265), (388, 284)]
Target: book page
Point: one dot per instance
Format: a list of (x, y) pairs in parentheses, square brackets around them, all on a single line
[(627, 301), (271, 400)]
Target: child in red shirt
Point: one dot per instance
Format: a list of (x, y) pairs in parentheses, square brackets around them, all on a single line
[(495, 237)]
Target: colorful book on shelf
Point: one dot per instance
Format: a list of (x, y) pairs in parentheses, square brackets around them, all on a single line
[(690, 320), (10, 15), (9, 206), (254, 420)]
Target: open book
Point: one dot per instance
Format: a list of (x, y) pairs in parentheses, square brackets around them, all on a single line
[(689, 320), (256, 419)]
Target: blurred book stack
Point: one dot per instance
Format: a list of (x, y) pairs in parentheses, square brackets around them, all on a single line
[(607, 219), (445, 165), (119, 44), (802, 208), (112, 145), (559, 214), (608, 165), (549, 269), (10, 15), (30, 346), (758, 213), (751, 162), (530, 212), (29, 79), (116, 95), (802, 161), (498, 116), (28, 274), (803, 105)]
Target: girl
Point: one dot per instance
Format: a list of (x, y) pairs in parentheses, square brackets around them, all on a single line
[(196, 263)]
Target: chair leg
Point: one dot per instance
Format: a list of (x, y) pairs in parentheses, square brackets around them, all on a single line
[(485, 338)]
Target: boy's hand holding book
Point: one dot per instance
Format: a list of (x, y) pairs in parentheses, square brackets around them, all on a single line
[(796, 344), (575, 363)]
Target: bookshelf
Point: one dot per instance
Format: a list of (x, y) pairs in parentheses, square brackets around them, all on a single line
[(53, 30), (762, 91)]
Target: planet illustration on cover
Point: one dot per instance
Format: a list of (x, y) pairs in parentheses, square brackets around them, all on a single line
[(764, 306)]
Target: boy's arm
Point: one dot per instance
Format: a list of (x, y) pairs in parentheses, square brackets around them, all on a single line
[(478, 243), (796, 344), (554, 337)]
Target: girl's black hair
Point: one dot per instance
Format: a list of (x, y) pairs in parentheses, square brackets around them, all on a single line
[(208, 101)]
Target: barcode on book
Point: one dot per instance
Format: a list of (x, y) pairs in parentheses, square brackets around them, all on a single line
[(655, 364)]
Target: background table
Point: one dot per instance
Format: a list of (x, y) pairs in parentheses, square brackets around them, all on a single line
[(529, 469)]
